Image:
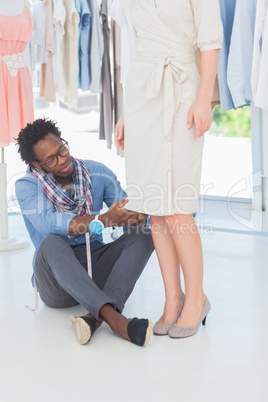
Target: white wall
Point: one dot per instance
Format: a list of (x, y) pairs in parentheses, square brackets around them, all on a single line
[(264, 155)]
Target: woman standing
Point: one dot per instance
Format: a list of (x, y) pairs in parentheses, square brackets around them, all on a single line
[(167, 110)]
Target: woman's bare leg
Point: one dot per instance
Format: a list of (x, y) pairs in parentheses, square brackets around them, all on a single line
[(187, 241), (170, 267)]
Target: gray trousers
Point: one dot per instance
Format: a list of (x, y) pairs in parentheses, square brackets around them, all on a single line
[(63, 281)]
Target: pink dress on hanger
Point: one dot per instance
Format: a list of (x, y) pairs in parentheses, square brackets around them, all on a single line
[(16, 92)]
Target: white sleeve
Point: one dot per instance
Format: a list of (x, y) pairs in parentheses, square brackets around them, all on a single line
[(261, 99), (208, 24)]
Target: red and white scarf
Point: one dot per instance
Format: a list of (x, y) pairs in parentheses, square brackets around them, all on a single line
[(81, 203)]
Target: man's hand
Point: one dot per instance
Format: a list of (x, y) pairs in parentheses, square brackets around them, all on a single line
[(117, 215)]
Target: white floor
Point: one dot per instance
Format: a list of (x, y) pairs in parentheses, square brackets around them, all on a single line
[(40, 360), (226, 361)]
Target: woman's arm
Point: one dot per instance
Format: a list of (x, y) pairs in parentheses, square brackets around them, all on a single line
[(200, 112)]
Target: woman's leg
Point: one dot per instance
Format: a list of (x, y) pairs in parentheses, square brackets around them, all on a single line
[(170, 267), (187, 241)]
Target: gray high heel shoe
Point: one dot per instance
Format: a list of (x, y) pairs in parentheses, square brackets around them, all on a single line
[(181, 332), (162, 329)]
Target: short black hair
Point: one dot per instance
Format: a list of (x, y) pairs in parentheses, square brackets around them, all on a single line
[(32, 134)]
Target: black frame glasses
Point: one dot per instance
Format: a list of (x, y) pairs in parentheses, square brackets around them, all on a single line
[(52, 160)]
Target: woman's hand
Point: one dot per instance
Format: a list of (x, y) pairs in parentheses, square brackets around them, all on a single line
[(200, 113), (120, 133)]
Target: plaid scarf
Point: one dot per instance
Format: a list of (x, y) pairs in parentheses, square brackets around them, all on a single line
[(81, 204)]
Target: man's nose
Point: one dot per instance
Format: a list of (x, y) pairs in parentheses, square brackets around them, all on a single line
[(61, 159)]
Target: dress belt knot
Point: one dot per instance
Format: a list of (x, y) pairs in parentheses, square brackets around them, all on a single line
[(172, 72)]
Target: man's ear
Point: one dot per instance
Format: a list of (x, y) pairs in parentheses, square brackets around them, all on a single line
[(36, 165)]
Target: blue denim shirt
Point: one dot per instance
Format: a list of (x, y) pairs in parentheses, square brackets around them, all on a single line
[(227, 8), (41, 218), (241, 53), (84, 41)]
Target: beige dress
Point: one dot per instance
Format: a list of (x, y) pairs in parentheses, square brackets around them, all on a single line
[(163, 162), (70, 52)]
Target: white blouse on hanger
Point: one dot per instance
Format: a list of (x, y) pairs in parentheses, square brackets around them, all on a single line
[(132, 32), (59, 15), (118, 14), (39, 23)]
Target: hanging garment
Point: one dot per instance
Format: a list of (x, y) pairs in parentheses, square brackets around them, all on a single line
[(118, 14), (106, 98), (118, 88), (163, 162), (70, 52), (258, 41), (96, 47), (29, 57), (227, 8), (132, 32), (241, 53), (59, 16), (77, 6), (261, 99), (39, 23), (16, 93), (29, 52), (84, 67), (47, 87)]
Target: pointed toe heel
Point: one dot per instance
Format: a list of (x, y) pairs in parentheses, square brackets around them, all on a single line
[(160, 329), (181, 332)]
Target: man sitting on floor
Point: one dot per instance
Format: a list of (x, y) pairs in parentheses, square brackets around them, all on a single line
[(60, 198)]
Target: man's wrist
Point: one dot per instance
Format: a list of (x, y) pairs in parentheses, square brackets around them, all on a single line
[(102, 218), (96, 226)]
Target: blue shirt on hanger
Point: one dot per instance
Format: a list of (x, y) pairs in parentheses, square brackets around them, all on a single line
[(241, 53), (84, 39), (227, 8)]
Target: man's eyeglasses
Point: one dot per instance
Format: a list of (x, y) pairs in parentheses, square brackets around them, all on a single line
[(52, 161)]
